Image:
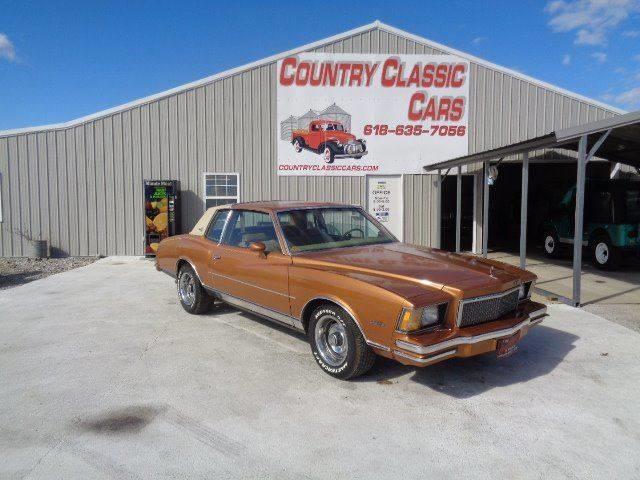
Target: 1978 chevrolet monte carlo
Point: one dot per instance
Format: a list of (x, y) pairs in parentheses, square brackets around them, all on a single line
[(335, 273)]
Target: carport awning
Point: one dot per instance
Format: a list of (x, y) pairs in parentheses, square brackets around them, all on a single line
[(615, 139), (622, 145)]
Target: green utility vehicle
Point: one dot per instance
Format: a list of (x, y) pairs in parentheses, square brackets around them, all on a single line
[(611, 222)]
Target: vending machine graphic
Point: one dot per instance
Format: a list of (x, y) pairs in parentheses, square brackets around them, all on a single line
[(162, 212)]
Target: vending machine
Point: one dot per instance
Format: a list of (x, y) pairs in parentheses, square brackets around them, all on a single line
[(161, 212)]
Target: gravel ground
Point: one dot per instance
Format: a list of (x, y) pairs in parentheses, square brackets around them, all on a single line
[(17, 271)]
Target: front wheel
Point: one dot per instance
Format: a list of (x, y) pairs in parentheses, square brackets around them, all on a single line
[(191, 294), (603, 254), (328, 154), (337, 343)]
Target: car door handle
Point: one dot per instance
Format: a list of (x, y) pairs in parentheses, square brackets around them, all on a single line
[(216, 257)]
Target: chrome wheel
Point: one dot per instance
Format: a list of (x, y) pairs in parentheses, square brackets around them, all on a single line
[(331, 340), (187, 288), (602, 253), (549, 244)]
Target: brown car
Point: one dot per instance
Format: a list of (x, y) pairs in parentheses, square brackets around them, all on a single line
[(335, 273)]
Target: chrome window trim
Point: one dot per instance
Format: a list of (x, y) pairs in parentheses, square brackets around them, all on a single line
[(491, 296), (228, 209), (336, 207), (240, 210), (284, 246), (533, 319)]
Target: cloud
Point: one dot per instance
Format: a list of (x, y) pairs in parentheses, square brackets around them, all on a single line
[(7, 50), (591, 20), (600, 57), (631, 33), (478, 40), (566, 59), (630, 98)]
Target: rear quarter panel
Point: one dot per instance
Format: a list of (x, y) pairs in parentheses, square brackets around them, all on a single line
[(194, 249)]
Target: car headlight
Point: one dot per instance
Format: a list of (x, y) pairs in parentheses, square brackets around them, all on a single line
[(525, 291), (412, 320)]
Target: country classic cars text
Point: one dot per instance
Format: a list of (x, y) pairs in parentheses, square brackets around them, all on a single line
[(390, 73)]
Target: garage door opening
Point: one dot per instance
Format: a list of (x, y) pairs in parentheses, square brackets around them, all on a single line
[(548, 185)]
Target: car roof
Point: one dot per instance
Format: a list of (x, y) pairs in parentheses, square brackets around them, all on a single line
[(326, 121), (282, 205)]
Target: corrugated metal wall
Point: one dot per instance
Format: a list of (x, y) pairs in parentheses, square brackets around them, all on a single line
[(80, 187)]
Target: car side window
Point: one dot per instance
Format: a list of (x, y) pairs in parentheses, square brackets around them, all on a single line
[(247, 226), (214, 232)]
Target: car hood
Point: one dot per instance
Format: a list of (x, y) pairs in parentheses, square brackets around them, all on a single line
[(411, 270)]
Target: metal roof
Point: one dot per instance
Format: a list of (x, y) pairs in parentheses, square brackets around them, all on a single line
[(621, 146), (371, 26)]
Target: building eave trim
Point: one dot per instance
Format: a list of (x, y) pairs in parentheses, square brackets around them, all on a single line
[(310, 46)]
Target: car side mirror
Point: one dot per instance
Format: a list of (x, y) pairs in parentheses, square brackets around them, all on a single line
[(259, 248)]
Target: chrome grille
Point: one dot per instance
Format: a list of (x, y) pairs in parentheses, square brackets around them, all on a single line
[(352, 148), (474, 311)]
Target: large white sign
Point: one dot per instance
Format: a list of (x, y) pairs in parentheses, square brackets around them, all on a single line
[(356, 114), (384, 201)]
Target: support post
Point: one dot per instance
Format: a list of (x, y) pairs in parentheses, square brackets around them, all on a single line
[(523, 210), (458, 207), (485, 210), (578, 220), (439, 211)]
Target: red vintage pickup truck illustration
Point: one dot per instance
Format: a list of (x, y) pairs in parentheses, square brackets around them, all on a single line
[(328, 138)]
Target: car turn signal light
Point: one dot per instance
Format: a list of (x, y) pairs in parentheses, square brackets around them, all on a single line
[(413, 320)]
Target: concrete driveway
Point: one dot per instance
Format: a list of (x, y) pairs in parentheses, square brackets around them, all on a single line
[(102, 375)]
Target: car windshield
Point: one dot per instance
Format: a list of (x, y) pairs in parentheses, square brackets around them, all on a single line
[(335, 127), (324, 228)]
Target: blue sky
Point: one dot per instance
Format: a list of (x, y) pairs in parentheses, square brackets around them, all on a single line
[(60, 61)]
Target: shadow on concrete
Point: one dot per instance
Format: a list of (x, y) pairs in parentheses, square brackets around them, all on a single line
[(224, 308), (538, 354), (20, 278)]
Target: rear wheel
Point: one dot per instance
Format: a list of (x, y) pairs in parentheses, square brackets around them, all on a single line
[(193, 298), (551, 244), (603, 254), (337, 343)]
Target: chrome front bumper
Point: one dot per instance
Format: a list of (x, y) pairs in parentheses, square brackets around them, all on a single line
[(345, 155), (449, 348)]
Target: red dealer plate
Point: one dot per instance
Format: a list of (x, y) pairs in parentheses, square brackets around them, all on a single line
[(506, 346)]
